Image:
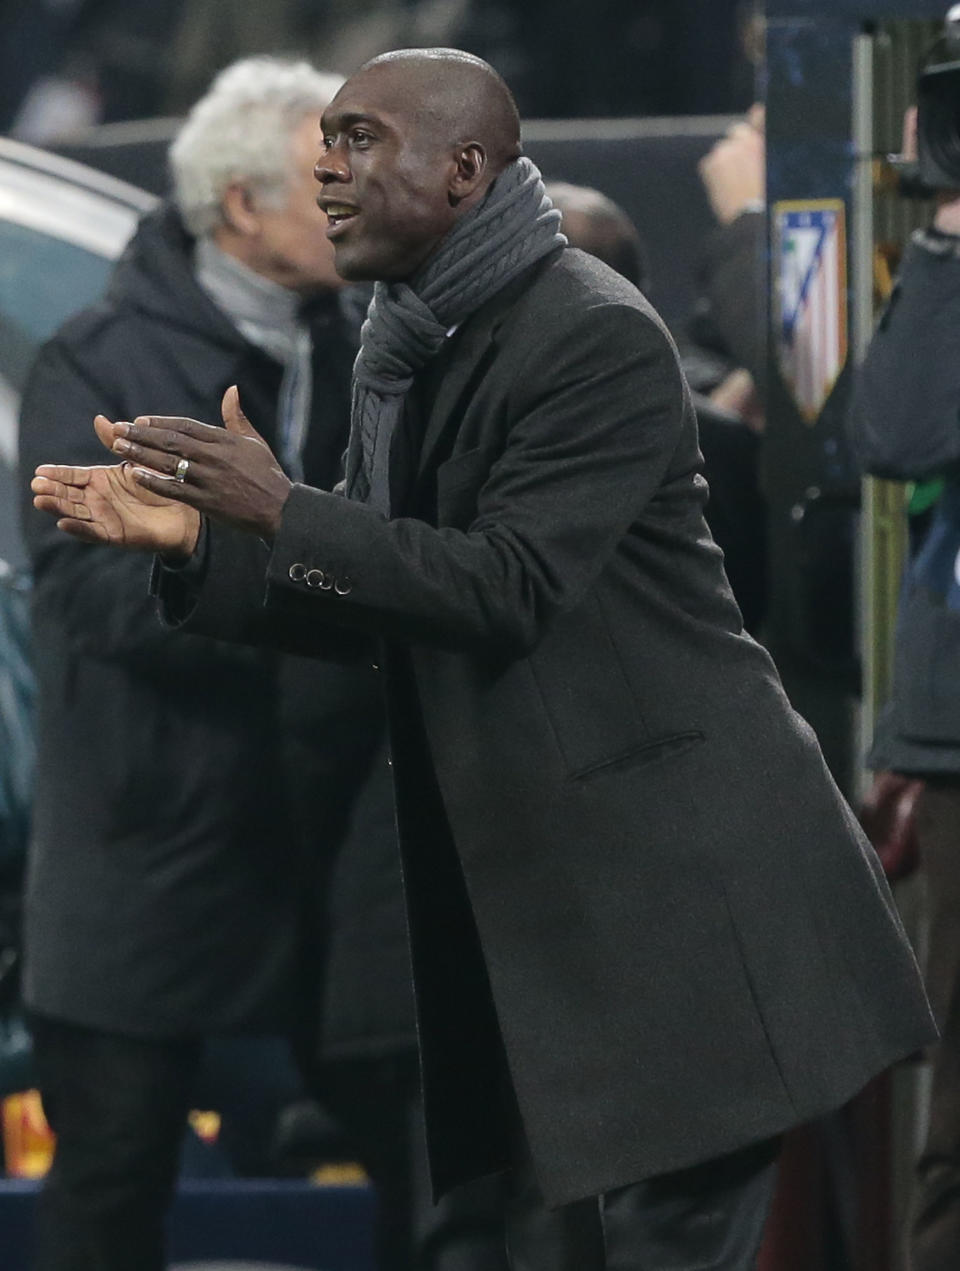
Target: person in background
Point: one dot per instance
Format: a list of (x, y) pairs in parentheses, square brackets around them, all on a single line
[(164, 883), (730, 320), (730, 324), (727, 361), (904, 427), (211, 31), (735, 510), (596, 224), (66, 65)]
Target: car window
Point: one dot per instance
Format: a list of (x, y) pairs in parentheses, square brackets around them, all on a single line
[(61, 228), (43, 280)]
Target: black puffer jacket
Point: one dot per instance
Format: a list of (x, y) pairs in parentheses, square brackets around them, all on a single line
[(164, 883)]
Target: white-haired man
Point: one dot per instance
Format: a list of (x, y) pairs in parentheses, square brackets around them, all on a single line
[(153, 922)]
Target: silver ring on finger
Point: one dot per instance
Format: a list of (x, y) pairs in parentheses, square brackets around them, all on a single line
[(181, 470)]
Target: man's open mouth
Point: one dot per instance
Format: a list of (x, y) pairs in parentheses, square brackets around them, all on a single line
[(339, 213)]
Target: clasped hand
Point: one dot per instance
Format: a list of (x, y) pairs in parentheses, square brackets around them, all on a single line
[(174, 470)]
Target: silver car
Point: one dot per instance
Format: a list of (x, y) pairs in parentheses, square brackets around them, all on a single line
[(62, 226)]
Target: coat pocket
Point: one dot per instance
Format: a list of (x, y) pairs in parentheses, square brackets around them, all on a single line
[(651, 751), (587, 697)]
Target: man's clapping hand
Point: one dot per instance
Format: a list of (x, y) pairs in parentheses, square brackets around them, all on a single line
[(107, 505), (175, 470)]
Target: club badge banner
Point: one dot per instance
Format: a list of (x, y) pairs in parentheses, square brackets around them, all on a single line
[(810, 289)]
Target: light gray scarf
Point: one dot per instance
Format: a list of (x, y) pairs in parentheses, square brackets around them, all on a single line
[(407, 323), (268, 315)]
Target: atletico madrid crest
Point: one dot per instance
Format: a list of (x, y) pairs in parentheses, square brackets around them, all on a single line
[(810, 286)]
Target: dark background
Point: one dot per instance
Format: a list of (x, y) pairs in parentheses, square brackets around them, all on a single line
[(563, 58)]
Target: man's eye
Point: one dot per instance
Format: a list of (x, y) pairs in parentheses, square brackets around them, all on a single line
[(360, 137), (326, 142)]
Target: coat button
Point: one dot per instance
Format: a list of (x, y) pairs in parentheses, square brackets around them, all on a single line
[(343, 586), (315, 578), (297, 573)]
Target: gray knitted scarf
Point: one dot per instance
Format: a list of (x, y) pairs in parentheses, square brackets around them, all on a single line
[(514, 226)]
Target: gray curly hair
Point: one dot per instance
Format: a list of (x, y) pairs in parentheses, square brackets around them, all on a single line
[(241, 130)]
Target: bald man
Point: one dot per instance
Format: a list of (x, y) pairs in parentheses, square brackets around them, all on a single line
[(647, 933), (596, 224)]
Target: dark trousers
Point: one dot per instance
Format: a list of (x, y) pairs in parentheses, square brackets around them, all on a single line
[(377, 1102), (935, 1236), (707, 1218), (118, 1107)]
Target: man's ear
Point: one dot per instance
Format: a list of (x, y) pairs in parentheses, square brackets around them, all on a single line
[(468, 173), (240, 210)]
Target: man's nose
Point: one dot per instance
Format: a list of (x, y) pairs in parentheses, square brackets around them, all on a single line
[(331, 166)]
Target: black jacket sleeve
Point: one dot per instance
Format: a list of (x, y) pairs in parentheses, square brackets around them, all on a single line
[(731, 314), (222, 593), (905, 416)]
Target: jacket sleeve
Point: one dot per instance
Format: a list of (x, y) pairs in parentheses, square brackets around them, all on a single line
[(98, 595), (905, 416), (222, 592), (731, 312), (592, 421)]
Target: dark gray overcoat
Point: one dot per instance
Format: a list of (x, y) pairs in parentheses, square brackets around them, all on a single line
[(608, 809)]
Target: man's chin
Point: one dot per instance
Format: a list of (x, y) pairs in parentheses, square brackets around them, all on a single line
[(351, 269)]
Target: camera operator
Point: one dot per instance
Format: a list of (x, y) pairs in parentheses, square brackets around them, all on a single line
[(906, 426)]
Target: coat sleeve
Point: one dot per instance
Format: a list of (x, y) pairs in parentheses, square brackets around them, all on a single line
[(731, 314), (905, 416), (222, 593), (593, 419), (100, 595)]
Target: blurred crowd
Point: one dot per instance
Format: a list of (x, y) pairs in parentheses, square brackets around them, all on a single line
[(66, 63)]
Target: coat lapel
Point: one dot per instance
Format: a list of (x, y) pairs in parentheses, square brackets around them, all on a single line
[(466, 362)]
